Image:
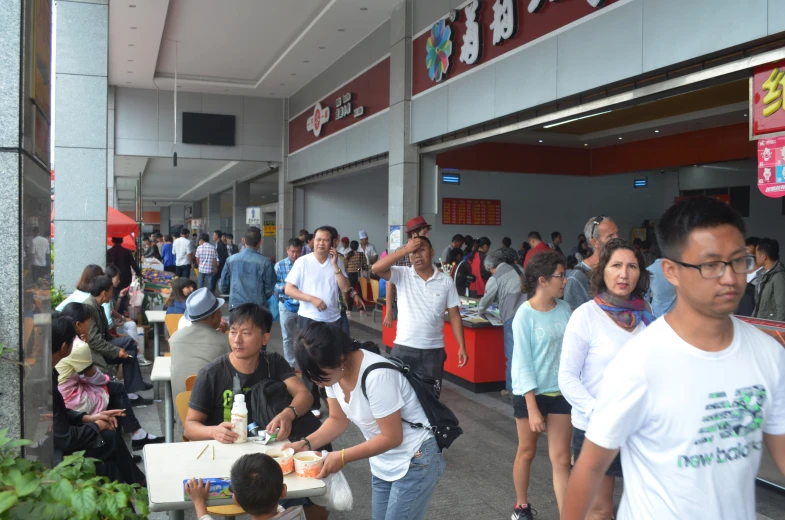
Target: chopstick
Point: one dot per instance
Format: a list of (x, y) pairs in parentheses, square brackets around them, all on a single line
[(203, 450)]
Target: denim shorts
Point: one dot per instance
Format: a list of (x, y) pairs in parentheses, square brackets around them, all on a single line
[(547, 404), (578, 437)]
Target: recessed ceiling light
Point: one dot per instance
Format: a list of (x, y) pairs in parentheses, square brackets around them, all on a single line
[(540, 140), (130, 71), (130, 44), (306, 61), (283, 84), (293, 74), (363, 9), (132, 6), (745, 115), (620, 138), (341, 30), (127, 82), (656, 131), (133, 28), (322, 47), (130, 61), (585, 144)]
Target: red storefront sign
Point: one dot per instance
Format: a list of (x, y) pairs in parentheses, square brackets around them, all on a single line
[(359, 99), (497, 27), (767, 104), (472, 212), (771, 163)]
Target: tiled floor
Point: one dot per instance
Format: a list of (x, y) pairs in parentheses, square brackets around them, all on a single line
[(477, 483)]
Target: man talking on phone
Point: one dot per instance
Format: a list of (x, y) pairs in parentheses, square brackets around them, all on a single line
[(316, 281)]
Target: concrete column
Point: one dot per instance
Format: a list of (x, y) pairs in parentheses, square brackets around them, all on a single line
[(165, 225), (25, 392), (404, 170), (111, 193), (241, 199), (80, 138), (299, 210), (214, 212), (285, 215)]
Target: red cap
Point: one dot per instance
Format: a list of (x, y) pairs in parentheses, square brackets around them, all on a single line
[(345, 240), (415, 224)]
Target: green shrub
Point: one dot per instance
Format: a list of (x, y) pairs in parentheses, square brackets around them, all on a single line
[(70, 490), (58, 295)]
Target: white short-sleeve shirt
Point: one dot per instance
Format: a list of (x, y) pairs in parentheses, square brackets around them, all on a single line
[(388, 391), (181, 248), (421, 306), (690, 423), (316, 279)]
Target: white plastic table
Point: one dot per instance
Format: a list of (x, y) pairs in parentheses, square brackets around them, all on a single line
[(166, 466), (162, 371), (155, 318)]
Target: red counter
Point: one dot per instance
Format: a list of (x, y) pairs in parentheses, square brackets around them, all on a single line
[(485, 371)]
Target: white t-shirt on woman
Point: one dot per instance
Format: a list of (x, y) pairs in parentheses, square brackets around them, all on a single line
[(388, 391), (591, 341)]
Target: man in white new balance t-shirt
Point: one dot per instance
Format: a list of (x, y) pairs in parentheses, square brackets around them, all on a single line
[(691, 400), (424, 293)]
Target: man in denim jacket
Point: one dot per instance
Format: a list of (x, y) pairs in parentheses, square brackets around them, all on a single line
[(248, 277)]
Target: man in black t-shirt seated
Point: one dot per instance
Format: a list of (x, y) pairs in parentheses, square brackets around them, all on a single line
[(210, 407)]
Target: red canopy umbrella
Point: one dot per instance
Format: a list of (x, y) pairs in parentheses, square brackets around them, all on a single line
[(119, 225)]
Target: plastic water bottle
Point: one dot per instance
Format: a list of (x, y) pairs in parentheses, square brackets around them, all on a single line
[(240, 418)]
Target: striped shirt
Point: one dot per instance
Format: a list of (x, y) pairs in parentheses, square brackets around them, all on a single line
[(421, 306), (206, 255)]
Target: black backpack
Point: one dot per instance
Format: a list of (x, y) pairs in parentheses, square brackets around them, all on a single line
[(443, 422)]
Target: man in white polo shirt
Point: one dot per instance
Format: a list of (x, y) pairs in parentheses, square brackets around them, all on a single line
[(424, 293)]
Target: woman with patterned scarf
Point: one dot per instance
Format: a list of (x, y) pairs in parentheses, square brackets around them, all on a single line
[(595, 333)]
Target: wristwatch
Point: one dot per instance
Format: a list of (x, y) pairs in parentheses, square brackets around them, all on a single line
[(296, 415)]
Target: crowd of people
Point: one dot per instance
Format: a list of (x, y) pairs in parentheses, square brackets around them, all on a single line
[(619, 351)]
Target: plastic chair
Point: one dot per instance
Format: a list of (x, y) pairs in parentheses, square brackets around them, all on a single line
[(375, 294), (172, 322), (181, 403), (364, 289), (189, 382)]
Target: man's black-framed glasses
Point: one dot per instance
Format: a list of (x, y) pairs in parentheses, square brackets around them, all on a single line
[(597, 221), (710, 270)]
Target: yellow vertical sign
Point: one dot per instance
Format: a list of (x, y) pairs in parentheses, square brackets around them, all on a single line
[(269, 228)]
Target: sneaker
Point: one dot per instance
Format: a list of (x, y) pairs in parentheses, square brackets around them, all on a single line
[(520, 513), (141, 443), (141, 401), (142, 361), (147, 386)]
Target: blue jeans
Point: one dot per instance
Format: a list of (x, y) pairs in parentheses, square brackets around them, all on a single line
[(509, 344), (288, 331), (407, 498), (206, 280)]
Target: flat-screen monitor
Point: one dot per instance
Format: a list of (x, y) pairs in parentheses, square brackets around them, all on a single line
[(210, 129)]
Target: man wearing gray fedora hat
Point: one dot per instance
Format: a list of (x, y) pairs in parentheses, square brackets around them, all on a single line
[(196, 346)]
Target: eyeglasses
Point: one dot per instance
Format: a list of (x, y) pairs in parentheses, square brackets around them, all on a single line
[(597, 222), (562, 276), (711, 270)]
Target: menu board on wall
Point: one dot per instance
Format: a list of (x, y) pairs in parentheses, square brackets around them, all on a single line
[(472, 212)]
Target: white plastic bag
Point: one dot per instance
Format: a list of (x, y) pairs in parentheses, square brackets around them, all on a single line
[(339, 494)]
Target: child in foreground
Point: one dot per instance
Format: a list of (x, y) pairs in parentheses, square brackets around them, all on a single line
[(257, 486)]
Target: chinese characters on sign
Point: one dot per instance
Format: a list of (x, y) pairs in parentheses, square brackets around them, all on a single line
[(269, 228), (771, 163), (318, 119), (505, 20), (504, 26), (471, 50), (472, 212), (767, 106)]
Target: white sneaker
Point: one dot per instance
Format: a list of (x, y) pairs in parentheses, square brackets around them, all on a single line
[(142, 361)]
